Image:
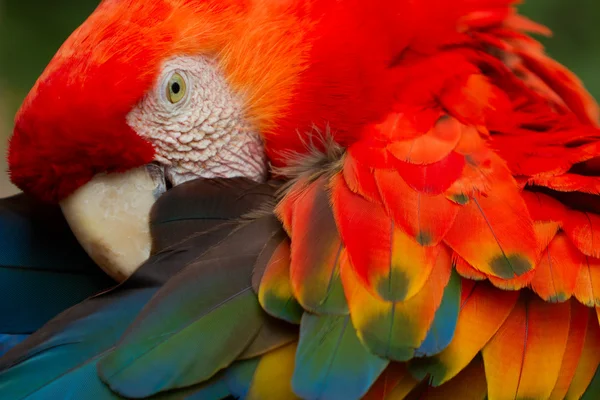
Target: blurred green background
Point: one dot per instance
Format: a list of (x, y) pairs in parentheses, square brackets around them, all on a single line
[(32, 30)]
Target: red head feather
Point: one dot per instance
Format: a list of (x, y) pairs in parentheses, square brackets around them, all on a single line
[(72, 124)]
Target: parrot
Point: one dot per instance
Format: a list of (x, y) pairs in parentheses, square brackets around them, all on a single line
[(305, 199)]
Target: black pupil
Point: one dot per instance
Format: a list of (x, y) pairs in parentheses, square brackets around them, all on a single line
[(175, 88)]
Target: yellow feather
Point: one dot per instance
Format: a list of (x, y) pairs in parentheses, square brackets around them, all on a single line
[(273, 376)]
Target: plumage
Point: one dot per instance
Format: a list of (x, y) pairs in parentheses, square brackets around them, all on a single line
[(273, 375), (8, 341), (577, 333), (584, 230), (482, 313), (434, 178), (588, 363), (43, 270), (395, 330), (315, 258), (68, 348), (275, 290), (587, 286), (388, 262), (423, 217), (331, 362), (431, 147), (433, 230), (394, 383), (217, 290), (442, 328), (557, 272), (504, 244), (469, 384), (523, 358), (466, 270)]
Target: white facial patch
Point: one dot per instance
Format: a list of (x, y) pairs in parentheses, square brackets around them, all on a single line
[(202, 132)]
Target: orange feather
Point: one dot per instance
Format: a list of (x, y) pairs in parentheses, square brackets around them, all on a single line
[(394, 383), (433, 178), (589, 361), (524, 358), (583, 228), (469, 384), (556, 273), (516, 283), (577, 330), (544, 208), (587, 287), (545, 232), (494, 233), (480, 317), (465, 270), (285, 208), (564, 83)]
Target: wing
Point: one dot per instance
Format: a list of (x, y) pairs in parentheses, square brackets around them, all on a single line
[(60, 360), (43, 269)]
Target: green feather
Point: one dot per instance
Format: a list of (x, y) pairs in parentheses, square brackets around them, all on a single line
[(211, 299)]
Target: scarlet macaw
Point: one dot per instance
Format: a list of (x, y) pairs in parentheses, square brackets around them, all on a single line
[(381, 200)]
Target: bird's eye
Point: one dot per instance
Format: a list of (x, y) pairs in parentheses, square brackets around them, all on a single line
[(176, 88)]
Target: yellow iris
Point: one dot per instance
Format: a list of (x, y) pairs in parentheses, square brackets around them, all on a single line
[(176, 88)]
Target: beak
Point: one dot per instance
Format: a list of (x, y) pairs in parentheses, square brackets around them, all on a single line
[(110, 217)]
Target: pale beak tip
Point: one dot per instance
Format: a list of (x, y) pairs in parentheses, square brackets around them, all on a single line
[(110, 218)]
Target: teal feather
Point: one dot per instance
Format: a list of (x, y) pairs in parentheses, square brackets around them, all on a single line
[(442, 329), (52, 359), (331, 362), (238, 377), (210, 299), (7, 342), (43, 269)]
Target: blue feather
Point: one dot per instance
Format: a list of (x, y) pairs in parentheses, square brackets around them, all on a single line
[(331, 362), (238, 377), (43, 269), (56, 359), (442, 329), (7, 342)]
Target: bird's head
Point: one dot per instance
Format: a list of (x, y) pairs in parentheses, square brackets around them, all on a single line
[(147, 94), (150, 94)]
